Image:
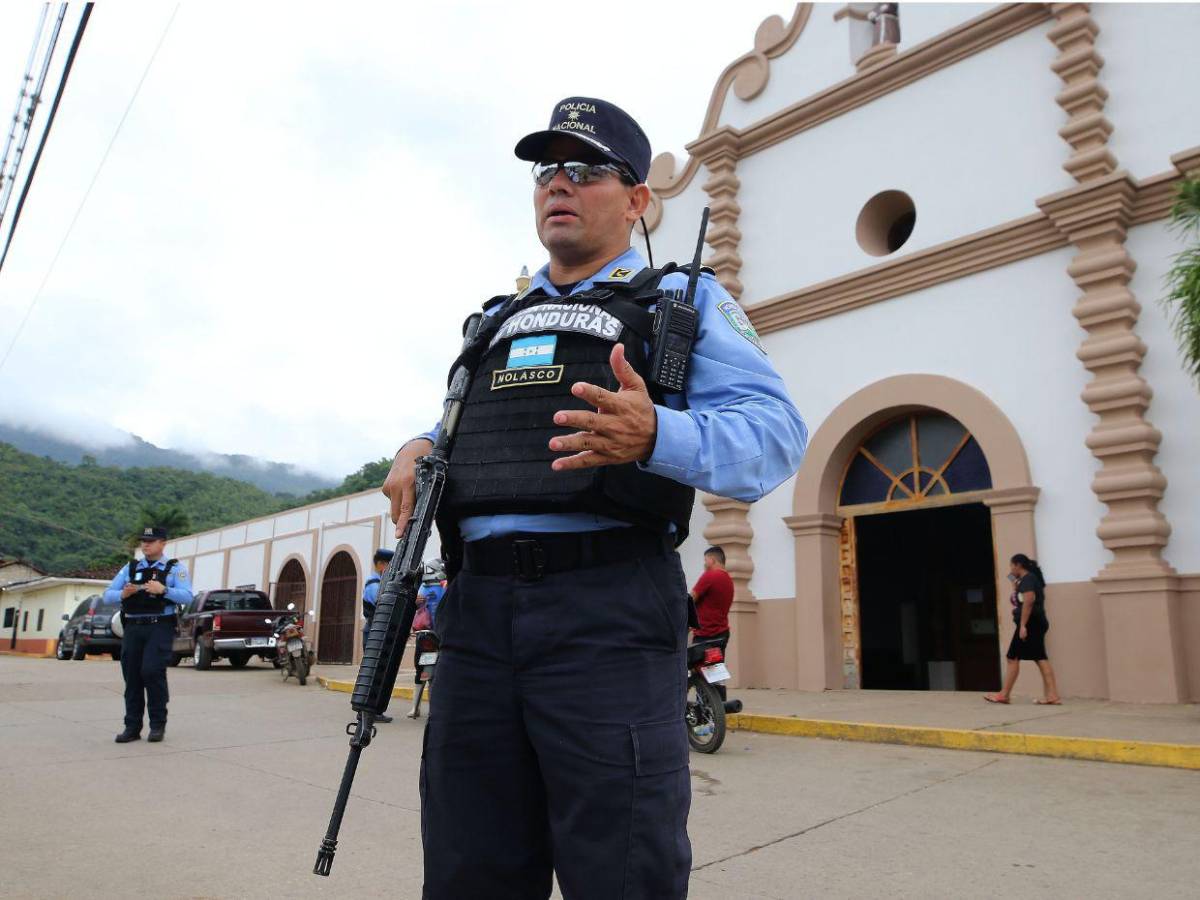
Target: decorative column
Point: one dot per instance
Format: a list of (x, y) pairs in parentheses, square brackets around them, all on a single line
[(730, 529), (719, 154), (818, 611), (1139, 590)]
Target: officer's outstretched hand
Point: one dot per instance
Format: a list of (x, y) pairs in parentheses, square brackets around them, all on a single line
[(400, 486), (623, 428)]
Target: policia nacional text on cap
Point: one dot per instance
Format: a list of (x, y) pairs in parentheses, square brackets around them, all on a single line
[(556, 737)]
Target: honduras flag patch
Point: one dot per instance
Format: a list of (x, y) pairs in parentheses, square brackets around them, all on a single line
[(532, 351)]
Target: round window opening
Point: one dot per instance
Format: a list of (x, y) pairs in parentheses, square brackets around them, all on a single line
[(886, 222)]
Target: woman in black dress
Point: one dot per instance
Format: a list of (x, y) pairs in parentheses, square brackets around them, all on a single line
[(1029, 638)]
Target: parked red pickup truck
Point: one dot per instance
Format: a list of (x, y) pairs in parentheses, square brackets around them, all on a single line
[(225, 624)]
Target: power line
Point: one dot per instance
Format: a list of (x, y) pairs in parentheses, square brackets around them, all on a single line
[(30, 517), (21, 95), (37, 157), (41, 287), (35, 100)]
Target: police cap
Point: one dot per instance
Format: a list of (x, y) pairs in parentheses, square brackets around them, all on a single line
[(384, 555), (607, 128), (153, 533)]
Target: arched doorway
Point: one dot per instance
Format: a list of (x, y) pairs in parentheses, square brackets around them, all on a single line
[(918, 576), (338, 589), (292, 586)]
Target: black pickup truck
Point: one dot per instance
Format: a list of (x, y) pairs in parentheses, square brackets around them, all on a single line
[(229, 624)]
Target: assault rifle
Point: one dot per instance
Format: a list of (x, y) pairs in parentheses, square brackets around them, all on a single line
[(396, 602)]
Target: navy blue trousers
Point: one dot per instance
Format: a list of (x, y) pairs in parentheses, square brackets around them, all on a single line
[(556, 737), (145, 650)]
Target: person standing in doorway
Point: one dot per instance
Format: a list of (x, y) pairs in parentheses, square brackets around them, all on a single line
[(149, 591), (713, 595), (1029, 638)]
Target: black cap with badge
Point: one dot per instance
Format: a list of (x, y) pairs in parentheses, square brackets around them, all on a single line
[(605, 127), (153, 534)]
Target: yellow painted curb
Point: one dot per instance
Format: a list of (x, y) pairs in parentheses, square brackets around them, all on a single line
[(1141, 753), (347, 687)]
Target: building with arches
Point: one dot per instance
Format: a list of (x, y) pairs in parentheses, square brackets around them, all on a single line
[(317, 557), (947, 223)]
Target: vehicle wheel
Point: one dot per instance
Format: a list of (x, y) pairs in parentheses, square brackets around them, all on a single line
[(60, 651), (276, 663), (239, 660), (202, 657), (176, 659), (302, 669), (77, 651), (705, 714)]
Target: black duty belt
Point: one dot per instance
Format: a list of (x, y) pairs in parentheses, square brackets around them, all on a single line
[(139, 619), (530, 556)]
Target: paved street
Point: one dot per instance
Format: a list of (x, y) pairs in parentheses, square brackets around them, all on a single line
[(235, 801)]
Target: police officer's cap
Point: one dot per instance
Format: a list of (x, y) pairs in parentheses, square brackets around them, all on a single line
[(153, 533), (603, 126), (384, 555)]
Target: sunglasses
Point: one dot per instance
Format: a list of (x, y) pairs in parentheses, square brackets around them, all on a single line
[(579, 172)]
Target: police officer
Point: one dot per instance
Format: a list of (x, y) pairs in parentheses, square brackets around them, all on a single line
[(382, 557), (556, 737), (149, 590)]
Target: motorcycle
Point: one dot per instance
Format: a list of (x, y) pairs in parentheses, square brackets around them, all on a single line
[(293, 654), (705, 709), (425, 653)]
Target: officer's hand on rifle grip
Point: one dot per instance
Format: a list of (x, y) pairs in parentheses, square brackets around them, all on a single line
[(622, 430), (400, 484)]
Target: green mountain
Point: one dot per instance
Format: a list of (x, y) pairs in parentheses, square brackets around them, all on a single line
[(62, 517), (272, 477)]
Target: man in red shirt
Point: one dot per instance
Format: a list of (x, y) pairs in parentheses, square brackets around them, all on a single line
[(713, 595)]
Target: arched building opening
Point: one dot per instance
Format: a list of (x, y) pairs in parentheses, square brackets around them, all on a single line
[(292, 586), (918, 585), (338, 589)]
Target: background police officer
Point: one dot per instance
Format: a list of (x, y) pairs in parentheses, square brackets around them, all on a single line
[(149, 591), (556, 736), (382, 557)]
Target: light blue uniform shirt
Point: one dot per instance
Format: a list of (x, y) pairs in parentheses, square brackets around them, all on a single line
[(371, 590), (179, 585), (733, 432)]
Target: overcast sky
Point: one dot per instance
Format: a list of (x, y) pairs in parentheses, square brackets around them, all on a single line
[(304, 203)]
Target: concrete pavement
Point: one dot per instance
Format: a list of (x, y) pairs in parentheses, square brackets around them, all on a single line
[(235, 801)]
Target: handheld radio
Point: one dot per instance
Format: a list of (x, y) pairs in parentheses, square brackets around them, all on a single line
[(675, 323)]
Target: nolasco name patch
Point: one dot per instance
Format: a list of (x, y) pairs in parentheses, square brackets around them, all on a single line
[(736, 317), (525, 376)]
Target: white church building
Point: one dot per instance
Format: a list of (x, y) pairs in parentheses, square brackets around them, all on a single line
[(947, 223)]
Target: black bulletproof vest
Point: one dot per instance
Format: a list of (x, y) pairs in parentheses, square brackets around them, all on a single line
[(143, 602), (501, 457)]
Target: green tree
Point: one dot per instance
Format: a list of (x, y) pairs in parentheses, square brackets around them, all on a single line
[(1183, 279), (172, 518)]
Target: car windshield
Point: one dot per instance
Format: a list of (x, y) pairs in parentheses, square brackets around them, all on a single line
[(237, 600), (106, 605)]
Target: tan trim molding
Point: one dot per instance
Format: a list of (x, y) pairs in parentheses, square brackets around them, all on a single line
[(1078, 65), (730, 529), (978, 252), (986, 30), (723, 234), (747, 75)]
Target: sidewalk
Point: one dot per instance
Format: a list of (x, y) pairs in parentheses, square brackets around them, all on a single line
[(1140, 734)]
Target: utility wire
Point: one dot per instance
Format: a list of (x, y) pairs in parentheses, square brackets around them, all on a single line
[(21, 95), (27, 126), (41, 287), (62, 86), (30, 517)]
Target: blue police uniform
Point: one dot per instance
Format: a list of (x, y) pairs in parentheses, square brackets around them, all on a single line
[(556, 738), (432, 595), (146, 644), (370, 594)]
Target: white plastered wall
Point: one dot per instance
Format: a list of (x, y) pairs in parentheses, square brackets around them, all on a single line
[(1149, 72), (1007, 332), (299, 545), (246, 566), (207, 570), (1175, 408), (973, 144)]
